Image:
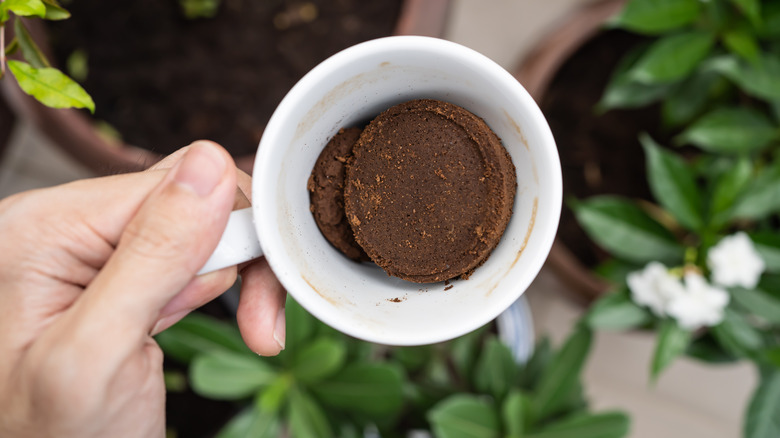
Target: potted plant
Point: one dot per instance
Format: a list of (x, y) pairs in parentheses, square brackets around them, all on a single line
[(692, 252)]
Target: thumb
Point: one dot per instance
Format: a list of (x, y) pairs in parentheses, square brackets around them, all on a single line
[(168, 240)]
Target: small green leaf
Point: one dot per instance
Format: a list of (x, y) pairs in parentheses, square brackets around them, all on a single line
[(626, 231), (515, 413), (563, 373), (767, 244), (737, 336), (656, 16), (299, 328), (30, 50), (760, 198), (196, 334), (50, 86), (306, 417), (251, 423), (759, 303), (318, 360), (533, 369), (709, 350), (751, 9), (727, 190), (759, 79), (25, 8), (689, 98), (77, 65), (464, 416), (228, 376), (672, 342), (673, 184), (271, 398), (464, 351), (616, 311), (770, 17), (604, 425), (54, 11), (623, 91), (413, 358), (615, 271), (496, 369), (672, 57), (368, 388), (742, 43), (12, 47), (734, 130), (762, 419)]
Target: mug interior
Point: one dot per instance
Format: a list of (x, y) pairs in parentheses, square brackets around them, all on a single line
[(351, 88)]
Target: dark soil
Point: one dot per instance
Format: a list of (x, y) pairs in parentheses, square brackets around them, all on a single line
[(163, 80), (600, 154)]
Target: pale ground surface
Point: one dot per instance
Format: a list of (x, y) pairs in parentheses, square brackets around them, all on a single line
[(690, 400)]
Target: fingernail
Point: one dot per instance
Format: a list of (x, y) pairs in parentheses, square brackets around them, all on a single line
[(279, 328), (201, 169), (167, 321)]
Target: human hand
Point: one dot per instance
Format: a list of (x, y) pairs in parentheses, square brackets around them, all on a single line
[(90, 270)]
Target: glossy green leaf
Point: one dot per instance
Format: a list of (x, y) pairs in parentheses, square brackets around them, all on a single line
[(750, 8), (55, 11), (672, 57), (369, 388), (533, 369), (196, 334), (673, 184), (562, 375), (306, 418), (616, 311), (734, 130), (318, 360), (496, 369), (464, 416), (737, 336), (759, 303), (515, 412), (32, 53), (229, 376), (689, 98), (24, 8), (251, 423), (767, 243), (50, 86), (727, 189), (672, 342), (272, 397), (762, 419), (760, 198), (623, 91), (656, 16), (626, 231), (12, 47), (759, 79), (603, 425), (742, 43)]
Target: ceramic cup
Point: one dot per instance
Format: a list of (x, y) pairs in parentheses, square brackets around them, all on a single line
[(349, 89)]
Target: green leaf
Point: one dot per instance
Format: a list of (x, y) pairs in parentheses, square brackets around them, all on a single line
[(193, 9), (369, 388), (616, 311), (672, 183), (737, 336), (770, 26), (759, 303), (30, 50), (626, 231), (759, 79), (603, 425), (196, 334), (24, 8), (767, 243), (464, 351), (496, 369), (656, 16), (413, 358), (271, 398), (709, 350), (760, 198), (77, 65), (251, 423), (226, 375), (562, 375), (742, 43), (750, 8), (762, 419), (623, 91), (299, 328), (533, 369), (772, 355), (54, 11), (615, 271), (306, 417), (175, 381), (734, 130), (727, 190), (672, 57), (672, 342), (318, 360), (464, 416), (50, 86), (515, 413), (12, 47), (689, 98)]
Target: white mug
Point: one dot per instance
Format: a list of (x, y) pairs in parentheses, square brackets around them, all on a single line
[(359, 299)]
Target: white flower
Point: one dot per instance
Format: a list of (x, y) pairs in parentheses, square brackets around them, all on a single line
[(654, 286), (700, 305), (734, 261)]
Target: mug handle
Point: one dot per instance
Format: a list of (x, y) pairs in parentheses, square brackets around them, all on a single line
[(239, 243)]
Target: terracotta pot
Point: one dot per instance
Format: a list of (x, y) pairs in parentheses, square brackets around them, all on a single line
[(535, 72), (73, 131)]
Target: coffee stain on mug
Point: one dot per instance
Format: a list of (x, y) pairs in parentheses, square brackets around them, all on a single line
[(527, 237)]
